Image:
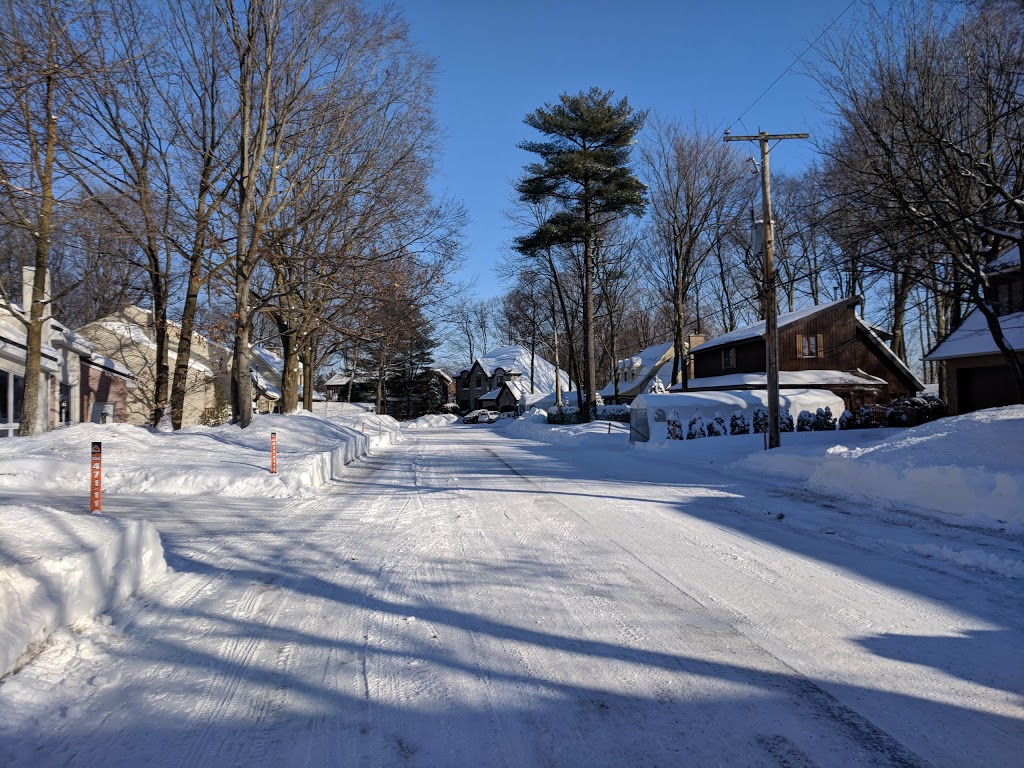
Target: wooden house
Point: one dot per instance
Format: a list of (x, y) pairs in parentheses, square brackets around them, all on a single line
[(822, 347), (975, 372)]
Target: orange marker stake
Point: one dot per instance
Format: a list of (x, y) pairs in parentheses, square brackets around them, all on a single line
[(273, 453), (96, 479)]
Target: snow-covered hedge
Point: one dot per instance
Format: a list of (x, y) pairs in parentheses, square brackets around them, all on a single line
[(729, 411), (569, 414)]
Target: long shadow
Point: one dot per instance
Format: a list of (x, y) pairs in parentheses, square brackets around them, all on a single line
[(729, 504), (783, 718)]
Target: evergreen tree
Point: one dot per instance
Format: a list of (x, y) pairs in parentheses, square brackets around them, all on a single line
[(584, 172)]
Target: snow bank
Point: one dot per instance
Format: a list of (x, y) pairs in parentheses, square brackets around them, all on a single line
[(223, 460), (534, 426), (967, 469), (969, 466), (58, 568), (431, 420)]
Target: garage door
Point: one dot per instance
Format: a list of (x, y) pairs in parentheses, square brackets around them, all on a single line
[(985, 387)]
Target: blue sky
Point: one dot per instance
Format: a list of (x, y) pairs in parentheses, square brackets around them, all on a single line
[(501, 59)]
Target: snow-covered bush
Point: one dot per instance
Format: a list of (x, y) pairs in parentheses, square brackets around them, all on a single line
[(717, 426), (657, 387), (847, 420), (820, 421), (786, 423), (785, 420), (675, 426), (738, 424), (760, 420), (913, 411), (805, 422), (864, 418), (824, 421), (696, 428), (570, 414), (599, 401), (613, 413)]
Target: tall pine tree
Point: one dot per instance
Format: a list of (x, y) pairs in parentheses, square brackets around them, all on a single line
[(584, 171)]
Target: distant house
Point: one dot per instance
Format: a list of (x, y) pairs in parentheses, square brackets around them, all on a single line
[(637, 372), (976, 373), (127, 338), (363, 387), (77, 383), (266, 371), (480, 381), (822, 347), (505, 398), (534, 377)]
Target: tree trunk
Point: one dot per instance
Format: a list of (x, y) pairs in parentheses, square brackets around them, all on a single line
[(179, 383), (289, 373), (31, 421)]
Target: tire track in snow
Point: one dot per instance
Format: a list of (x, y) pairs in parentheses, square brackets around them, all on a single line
[(873, 745)]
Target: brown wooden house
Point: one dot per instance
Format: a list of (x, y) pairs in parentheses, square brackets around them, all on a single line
[(975, 371), (822, 347)]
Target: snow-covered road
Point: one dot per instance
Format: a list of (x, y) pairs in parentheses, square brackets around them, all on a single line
[(465, 599)]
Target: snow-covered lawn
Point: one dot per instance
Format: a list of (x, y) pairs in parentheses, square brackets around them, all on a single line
[(516, 594)]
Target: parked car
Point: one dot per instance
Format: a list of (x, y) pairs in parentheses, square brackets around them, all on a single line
[(488, 417), (472, 416)]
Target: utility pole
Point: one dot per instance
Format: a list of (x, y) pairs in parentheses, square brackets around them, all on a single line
[(771, 326)]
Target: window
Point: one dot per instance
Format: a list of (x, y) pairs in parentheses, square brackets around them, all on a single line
[(1009, 297), (12, 389), (501, 379), (478, 381), (729, 359), (64, 414), (809, 346)]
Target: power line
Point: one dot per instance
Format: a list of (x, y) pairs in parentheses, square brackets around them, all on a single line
[(792, 64)]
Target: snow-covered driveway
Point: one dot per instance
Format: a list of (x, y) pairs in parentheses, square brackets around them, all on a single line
[(465, 599)]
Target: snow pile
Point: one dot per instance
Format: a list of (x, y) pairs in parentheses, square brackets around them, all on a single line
[(970, 466), (431, 420), (223, 460), (534, 426), (58, 568)]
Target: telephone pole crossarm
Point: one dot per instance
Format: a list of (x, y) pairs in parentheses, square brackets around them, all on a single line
[(771, 327)]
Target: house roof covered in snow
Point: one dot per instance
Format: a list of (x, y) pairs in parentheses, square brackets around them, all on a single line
[(973, 337), (515, 388), (637, 370), (757, 330), (516, 359), (1008, 261), (814, 379)]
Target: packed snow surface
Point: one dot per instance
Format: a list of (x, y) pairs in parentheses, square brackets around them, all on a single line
[(513, 594)]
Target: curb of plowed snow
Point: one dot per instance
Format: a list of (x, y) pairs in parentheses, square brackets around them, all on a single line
[(88, 565)]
